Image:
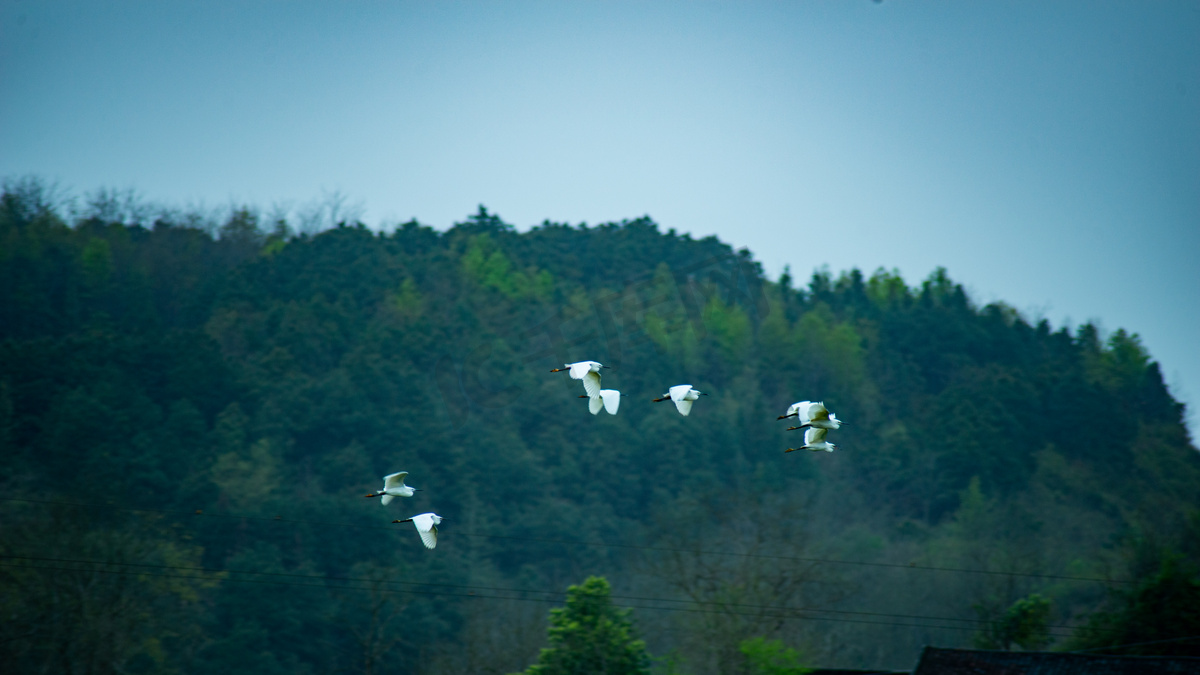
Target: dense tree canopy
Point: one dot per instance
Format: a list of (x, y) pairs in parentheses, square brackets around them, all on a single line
[(219, 394)]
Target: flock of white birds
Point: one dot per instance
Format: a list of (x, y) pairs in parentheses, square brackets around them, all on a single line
[(813, 418)]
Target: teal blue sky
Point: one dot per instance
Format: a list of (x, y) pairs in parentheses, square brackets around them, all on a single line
[(1046, 153)]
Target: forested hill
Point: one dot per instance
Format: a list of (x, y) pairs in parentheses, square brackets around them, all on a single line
[(176, 374)]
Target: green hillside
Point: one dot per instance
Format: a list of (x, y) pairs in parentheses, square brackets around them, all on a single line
[(190, 413)]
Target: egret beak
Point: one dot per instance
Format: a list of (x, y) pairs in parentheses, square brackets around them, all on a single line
[(416, 489), (606, 367), (703, 394)]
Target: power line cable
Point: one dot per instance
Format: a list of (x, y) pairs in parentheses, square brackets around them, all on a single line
[(793, 615), (452, 533), (507, 590)]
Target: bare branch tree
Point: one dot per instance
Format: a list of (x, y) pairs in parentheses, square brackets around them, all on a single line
[(739, 596)]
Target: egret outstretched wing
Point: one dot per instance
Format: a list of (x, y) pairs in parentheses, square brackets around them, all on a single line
[(814, 435), (679, 391), (612, 400), (684, 406), (591, 383), (428, 537), (799, 408), (386, 499), (394, 480), (817, 413), (595, 404)]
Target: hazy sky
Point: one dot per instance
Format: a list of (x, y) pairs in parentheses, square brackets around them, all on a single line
[(1046, 153)]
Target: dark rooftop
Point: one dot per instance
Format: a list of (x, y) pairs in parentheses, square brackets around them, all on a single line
[(936, 661), (847, 671)]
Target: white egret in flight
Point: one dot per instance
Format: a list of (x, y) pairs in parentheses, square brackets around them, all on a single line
[(683, 395), (426, 526), (814, 439), (588, 371), (393, 486), (811, 414)]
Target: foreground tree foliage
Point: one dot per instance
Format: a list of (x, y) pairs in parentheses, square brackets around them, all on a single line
[(771, 657), (590, 635), (191, 409), (1021, 625), (1160, 615)]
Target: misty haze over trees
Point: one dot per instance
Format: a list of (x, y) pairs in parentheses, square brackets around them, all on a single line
[(192, 407)]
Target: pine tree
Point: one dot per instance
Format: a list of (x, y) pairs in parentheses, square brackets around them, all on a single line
[(589, 635)]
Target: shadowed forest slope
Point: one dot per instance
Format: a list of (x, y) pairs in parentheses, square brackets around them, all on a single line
[(220, 396)]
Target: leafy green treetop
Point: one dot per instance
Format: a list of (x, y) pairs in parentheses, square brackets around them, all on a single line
[(771, 657), (1025, 625), (589, 635)]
